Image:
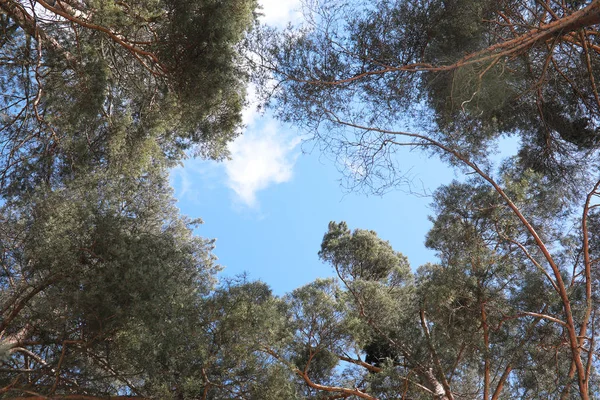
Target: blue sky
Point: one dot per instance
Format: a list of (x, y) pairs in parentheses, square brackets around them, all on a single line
[(269, 206)]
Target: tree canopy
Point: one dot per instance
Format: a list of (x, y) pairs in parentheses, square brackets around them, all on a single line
[(104, 289), (93, 84), (106, 292), (482, 323), (509, 311), (462, 72)]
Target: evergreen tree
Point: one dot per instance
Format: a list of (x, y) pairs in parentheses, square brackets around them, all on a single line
[(104, 289), (462, 72), (105, 292), (483, 323), (83, 267), (454, 77), (95, 84)]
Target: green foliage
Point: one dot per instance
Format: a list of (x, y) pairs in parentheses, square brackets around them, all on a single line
[(105, 290), (107, 257), (465, 73), (361, 255), (125, 86), (484, 267), (485, 307), (201, 49), (211, 346)]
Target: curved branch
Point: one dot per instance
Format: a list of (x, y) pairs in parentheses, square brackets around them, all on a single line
[(590, 15), (29, 25), (574, 340), (136, 51), (335, 389)]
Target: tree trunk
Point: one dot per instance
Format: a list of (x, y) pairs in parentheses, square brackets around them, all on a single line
[(436, 387)]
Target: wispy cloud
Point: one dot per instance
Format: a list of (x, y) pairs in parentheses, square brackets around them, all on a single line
[(262, 157), (194, 177)]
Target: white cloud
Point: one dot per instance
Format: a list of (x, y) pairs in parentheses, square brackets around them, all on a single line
[(280, 12), (264, 155), (259, 159)]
